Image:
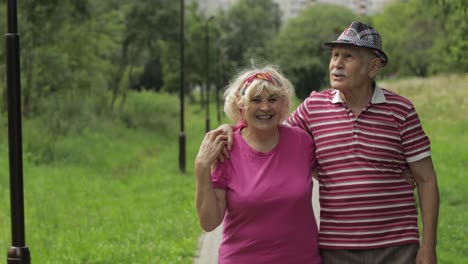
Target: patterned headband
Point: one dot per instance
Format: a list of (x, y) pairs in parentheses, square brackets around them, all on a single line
[(261, 76)]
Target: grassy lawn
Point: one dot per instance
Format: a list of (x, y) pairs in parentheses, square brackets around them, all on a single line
[(442, 106), (118, 197)]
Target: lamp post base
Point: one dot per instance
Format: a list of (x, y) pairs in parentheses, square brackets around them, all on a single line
[(182, 153), (18, 255)]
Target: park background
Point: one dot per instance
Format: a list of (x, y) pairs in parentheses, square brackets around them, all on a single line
[(101, 110)]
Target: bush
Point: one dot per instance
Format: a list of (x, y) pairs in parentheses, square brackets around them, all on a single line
[(61, 114), (157, 112)]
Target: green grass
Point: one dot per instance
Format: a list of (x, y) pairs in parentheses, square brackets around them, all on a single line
[(442, 105), (115, 195)]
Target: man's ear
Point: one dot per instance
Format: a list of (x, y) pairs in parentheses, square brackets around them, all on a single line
[(374, 66)]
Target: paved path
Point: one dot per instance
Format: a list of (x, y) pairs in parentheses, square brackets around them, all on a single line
[(209, 242)]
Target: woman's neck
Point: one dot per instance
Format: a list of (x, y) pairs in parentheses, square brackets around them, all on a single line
[(262, 141)]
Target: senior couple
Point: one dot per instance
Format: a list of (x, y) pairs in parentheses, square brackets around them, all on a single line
[(358, 136)]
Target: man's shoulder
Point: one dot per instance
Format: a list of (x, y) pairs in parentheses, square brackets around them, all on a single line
[(321, 93), (321, 96), (393, 97)]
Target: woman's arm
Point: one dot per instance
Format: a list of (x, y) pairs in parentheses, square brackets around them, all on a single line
[(210, 202)]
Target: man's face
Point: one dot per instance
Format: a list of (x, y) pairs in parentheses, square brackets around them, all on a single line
[(348, 67)]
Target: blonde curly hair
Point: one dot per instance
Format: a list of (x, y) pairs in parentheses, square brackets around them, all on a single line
[(237, 96)]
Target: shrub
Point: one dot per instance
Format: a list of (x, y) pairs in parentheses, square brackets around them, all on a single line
[(157, 112)]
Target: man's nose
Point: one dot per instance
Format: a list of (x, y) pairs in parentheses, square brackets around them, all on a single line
[(338, 62)]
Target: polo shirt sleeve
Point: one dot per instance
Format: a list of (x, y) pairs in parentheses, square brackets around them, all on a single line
[(220, 175), (299, 117), (415, 143)]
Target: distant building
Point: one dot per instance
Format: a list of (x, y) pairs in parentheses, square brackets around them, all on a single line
[(361, 7), (292, 8), (210, 7)]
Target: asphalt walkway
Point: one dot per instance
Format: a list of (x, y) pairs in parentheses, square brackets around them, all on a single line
[(208, 242)]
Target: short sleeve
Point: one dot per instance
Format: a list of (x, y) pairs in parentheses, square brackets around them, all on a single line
[(220, 175), (299, 117), (415, 142)]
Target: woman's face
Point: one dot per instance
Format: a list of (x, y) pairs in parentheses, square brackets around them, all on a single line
[(263, 111)]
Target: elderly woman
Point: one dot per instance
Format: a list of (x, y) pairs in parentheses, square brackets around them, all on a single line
[(263, 191)]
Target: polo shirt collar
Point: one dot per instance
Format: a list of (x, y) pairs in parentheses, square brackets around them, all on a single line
[(377, 98)]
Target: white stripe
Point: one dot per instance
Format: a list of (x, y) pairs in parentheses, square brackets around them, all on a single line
[(363, 156), (326, 111), (367, 132), (324, 220), (419, 157), (353, 144), (337, 197), (380, 146), (357, 182), (385, 112), (366, 208), (379, 122), (316, 124), (332, 134), (360, 169), (370, 232), (331, 146), (406, 105), (414, 139), (366, 243), (319, 99), (409, 153), (417, 125)]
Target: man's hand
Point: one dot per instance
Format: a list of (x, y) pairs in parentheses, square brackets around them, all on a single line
[(426, 255)]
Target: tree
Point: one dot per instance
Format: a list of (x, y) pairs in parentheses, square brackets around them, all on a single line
[(449, 53), (246, 28), (299, 46), (422, 37)]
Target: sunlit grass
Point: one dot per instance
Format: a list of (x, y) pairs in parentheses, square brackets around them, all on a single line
[(442, 104)]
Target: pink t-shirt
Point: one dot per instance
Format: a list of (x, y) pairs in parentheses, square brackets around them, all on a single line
[(269, 216)]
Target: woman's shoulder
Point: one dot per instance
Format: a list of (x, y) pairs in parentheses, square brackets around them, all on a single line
[(294, 132)]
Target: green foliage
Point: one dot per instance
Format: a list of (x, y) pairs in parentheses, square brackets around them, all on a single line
[(151, 111), (299, 46), (62, 114), (405, 28), (247, 26), (449, 53)]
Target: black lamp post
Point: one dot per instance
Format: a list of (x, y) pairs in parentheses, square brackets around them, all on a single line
[(219, 83), (181, 93), (207, 81), (18, 252)]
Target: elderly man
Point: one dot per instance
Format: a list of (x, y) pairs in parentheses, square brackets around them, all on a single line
[(365, 135)]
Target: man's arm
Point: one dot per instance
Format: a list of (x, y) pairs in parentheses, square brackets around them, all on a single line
[(428, 194), (299, 118)]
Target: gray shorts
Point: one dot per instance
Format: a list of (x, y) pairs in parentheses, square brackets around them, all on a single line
[(403, 254)]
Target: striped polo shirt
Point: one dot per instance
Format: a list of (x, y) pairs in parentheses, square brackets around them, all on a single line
[(365, 203)]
